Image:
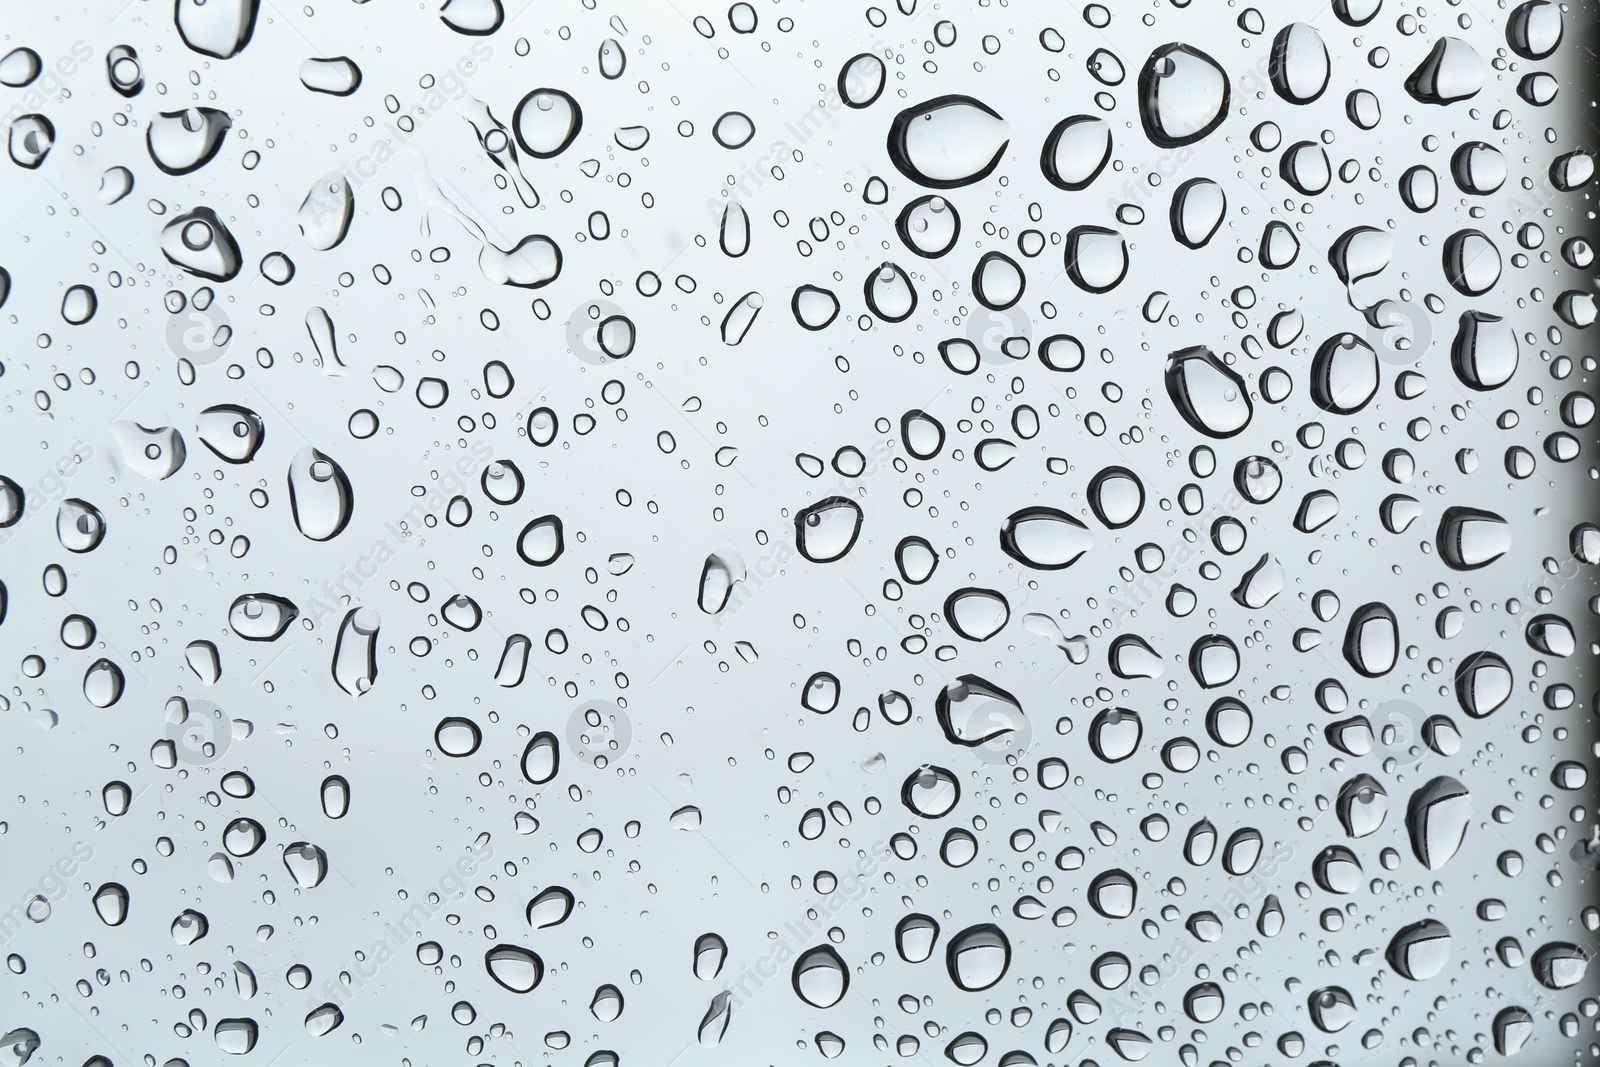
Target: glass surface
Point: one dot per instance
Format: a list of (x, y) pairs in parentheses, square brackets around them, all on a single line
[(961, 532)]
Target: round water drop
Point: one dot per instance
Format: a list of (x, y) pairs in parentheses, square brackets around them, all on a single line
[(1116, 496), (828, 529), (733, 129), (978, 957), (513, 968), (457, 736), (1114, 734), (929, 791), (814, 308), (915, 937), (1420, 951), (861, 80), (820, 977), (977, 614)]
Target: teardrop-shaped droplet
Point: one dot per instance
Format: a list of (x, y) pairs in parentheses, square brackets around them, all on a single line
[(740, 317), (1183, 95), (1336, 870), (1452, 71), (355, 651), (261, 616), (541, 541), (320, 495), (921, 433), (973, 711), (1242, 851), (307, 864), (1512, 1028), (184, 141), (115, 183), (1332, 1009), (80, 527), (714, 1024), (325, 214), (997, 281), (198, 242), (1097, 258), (234, 434), (103, 683), (1305, 166), (1076, 151), (947, 142), (710, 951), (890, 294), (1279, 246), (1044, 538), (1437, 818), (19, 67), (1201, 843)]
